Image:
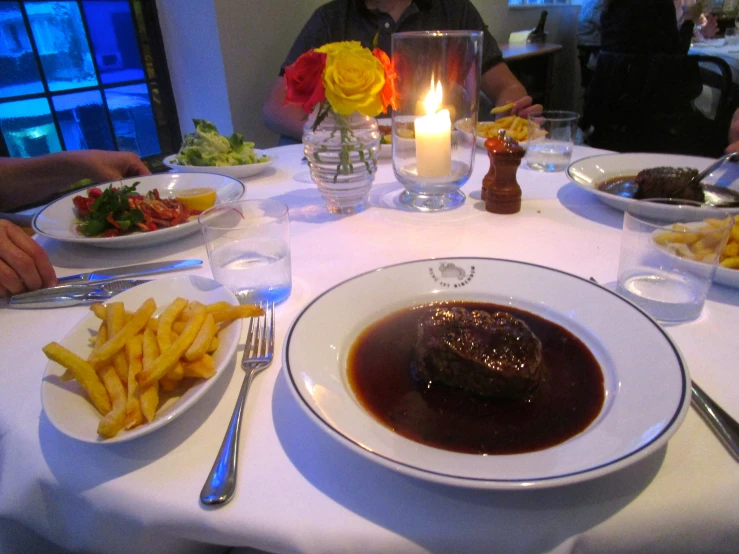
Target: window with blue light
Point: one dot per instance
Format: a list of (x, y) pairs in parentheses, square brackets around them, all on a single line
[(82, 74)]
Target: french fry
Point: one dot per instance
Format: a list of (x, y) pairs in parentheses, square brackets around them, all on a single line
[(134, 353), (237, 312), (213, 345), (149, 397), (164, 332), (202, 340), (83, 372), (99, 310), (167, 359), (100, 337), (501, 109), (115, 318), (115, 343), (202, 368), (115, 419)]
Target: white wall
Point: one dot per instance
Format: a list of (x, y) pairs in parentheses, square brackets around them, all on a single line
[(224, 55)]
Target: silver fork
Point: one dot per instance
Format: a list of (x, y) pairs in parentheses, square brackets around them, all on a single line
[(258, 352)]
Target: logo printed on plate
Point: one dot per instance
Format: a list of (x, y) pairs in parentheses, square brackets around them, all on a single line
[(452, 276)]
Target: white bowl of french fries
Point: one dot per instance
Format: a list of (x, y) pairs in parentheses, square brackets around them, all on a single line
[(693, 251), (133, 365), (516, 127)]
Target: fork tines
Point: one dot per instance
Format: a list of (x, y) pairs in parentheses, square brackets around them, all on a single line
[(260, 341)]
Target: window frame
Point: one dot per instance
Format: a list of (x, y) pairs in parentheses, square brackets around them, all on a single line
[(168, 131)]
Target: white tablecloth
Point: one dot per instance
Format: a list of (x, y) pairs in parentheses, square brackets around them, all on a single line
[(300, 490)]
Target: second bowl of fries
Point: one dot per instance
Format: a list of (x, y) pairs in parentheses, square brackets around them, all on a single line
[(516, 127)]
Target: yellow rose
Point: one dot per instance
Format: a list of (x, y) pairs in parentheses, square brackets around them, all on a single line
[(353, 78)]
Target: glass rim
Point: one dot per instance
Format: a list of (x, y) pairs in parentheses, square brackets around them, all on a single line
[(431, 34), (555, 115), (282, 208)]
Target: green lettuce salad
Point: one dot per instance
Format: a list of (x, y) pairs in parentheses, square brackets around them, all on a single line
[(206, 147)]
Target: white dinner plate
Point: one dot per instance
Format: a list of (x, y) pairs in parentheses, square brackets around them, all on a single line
[(588, 173), (645, 378), (68, 408), (235, 171), (58, 221)]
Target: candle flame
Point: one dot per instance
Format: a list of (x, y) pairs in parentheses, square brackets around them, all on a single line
[(433, 99)]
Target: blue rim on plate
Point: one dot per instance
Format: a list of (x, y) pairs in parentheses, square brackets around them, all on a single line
[(644, 373)]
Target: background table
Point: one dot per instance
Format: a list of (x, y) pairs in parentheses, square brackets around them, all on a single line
[(301, 491)]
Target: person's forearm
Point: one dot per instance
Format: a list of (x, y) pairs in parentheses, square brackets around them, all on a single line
[(281, 118), (501, 85), (30, 180)]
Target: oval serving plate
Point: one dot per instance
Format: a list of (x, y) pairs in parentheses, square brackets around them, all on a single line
[(58, 221), (645, 378), (236, 171), (68, 408)]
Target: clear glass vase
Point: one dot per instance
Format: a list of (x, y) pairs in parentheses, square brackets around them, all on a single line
[(342, 152)]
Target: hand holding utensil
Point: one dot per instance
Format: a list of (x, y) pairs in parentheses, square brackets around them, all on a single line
[(220, 485)]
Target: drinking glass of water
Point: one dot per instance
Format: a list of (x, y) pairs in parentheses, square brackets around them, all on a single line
[(670, 250), (551, 136), (248, 244)]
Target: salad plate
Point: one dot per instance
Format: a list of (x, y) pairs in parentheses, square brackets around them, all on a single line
[(235, 171), (71, 412), (588, 173), (205, 150), (58, 220), (645, 380)]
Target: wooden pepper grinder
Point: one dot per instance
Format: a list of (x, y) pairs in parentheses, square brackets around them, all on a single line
[(500, 190)]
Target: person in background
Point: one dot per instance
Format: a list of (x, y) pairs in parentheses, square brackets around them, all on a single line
[(24, 266), (705, 24), (734, 133), (365, 20), (588, 37)]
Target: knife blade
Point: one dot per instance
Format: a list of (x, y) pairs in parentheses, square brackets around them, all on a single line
[(72, 295), (131, 271)]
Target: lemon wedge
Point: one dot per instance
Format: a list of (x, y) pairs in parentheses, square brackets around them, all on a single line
[(200, 198)]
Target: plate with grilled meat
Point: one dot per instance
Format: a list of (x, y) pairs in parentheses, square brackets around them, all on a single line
[(486, 373), (620, 179)]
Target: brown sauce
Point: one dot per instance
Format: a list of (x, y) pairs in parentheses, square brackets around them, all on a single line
[(569, 398), (620, 186)]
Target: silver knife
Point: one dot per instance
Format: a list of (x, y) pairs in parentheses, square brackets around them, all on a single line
[(72, 295), (130, 271)]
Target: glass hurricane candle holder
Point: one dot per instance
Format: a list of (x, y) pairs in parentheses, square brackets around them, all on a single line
[(434, 125)]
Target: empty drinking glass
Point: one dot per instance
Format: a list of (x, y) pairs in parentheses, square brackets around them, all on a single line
[(248, 244)]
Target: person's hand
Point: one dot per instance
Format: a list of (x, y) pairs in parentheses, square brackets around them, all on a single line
[(102, 166), (24, 266), (525, 106), (708, 24)]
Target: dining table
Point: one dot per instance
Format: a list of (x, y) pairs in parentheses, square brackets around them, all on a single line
[(299, 489)]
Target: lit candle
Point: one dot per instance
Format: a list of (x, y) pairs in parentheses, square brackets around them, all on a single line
[(434, 137)]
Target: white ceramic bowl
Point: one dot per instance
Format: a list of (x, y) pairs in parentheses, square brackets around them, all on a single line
[(68, 408), (588, 173), (645, 379)]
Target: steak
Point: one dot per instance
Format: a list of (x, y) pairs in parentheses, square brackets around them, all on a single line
[(668, 182), (495, 356)]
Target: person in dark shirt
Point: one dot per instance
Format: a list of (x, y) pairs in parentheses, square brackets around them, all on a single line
[(363, 20), (652, 27)]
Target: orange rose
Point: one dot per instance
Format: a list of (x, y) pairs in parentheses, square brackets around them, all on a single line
[(387, 94), (304, 80)]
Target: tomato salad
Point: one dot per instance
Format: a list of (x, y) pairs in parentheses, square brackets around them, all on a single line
[(120, 211)]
